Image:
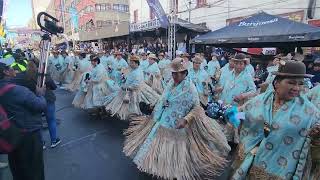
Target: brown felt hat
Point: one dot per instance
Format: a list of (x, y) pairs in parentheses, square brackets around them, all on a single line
[(240, 57), (292, 69), (153, 56), (197, 59), (134, 58), (178, 65)]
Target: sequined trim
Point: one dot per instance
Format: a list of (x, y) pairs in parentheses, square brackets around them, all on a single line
[(258, 173)]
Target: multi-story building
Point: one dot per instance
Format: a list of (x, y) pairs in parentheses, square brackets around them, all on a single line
[(216, 14), (86, 20)]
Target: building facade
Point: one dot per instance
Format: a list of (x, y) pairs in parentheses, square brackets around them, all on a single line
[(86, 20), (216, 14)]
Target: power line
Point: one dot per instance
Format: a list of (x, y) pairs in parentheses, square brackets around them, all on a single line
[(240, 9)]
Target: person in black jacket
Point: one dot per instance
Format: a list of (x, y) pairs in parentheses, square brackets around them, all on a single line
[(29, 80), (24, 108)]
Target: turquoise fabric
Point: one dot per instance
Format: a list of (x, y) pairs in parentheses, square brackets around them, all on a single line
[(236, 85), (213, 66), (144, 63), (199, 79), (175, 103), (163, 63), (283, 152), (117, 66), (225, 73), (152, 69)]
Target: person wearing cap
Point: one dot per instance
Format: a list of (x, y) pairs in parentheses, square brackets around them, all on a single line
[(200, 78), (24, 109), (81, 66), (152, 74), (125, 101), (279, 137), (57, 67), (144, 62), (178, 141), (316, 72), (213, 66), (20, 64), (118, 64)]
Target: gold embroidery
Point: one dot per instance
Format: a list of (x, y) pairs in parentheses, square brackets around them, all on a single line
[(257, 173)]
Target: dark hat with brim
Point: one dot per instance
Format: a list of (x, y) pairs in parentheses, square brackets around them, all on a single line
[(292, 69), (239, 57)]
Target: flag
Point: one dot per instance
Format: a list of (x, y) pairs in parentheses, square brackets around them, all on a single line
[(2, 32), (159, 12)]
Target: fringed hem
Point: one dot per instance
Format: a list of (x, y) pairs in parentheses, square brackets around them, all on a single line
[(122, 109), (177, 154), (148, 95)]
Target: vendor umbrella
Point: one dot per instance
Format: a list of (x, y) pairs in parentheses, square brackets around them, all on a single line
[(262, 30)]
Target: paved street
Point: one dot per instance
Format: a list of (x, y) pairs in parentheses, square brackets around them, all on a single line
[(91, 149)]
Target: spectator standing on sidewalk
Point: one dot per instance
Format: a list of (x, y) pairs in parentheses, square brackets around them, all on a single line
[(24, 109)]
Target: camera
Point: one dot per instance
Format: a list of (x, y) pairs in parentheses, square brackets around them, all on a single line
[(48, 23)]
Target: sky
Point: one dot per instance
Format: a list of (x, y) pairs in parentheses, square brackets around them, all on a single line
[(19, 12)]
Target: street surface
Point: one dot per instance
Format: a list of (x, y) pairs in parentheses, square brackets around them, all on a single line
[(91, 149)]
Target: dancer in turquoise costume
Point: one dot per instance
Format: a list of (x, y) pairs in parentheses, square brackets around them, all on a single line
[(164, 69), (57, 67), (200, 78), (81, 66), (314, 96), (279, 137), (144, 62), (178, 141), (235, 90), (117, 66), (152, 74), (239, 86), (226, 72), (124, 101), (213, 66), (69, 61)]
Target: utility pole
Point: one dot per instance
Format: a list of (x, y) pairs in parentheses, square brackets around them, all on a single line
[(189, 11), (34, 24), (62, 10), (172, 29)]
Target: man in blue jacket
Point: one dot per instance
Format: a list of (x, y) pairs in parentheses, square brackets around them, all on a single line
[(24, 108)]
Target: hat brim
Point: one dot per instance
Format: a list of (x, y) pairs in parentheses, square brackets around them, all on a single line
[(235, 59), (293, 75)]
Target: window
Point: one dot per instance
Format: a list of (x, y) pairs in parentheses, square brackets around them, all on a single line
[(99, 24), (116, 7), (107, 23), (151, 14), (108, 6), (135, 16), (103, 7), (201, 3), (91, 9), (98, 7)]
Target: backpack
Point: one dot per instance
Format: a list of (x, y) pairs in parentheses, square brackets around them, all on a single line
[(10, 134)]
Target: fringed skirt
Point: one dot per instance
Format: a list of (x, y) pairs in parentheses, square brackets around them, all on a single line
[(196, 152), (75, 84), (78, 100), (123, 104), (155, 83), (148, 95)]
